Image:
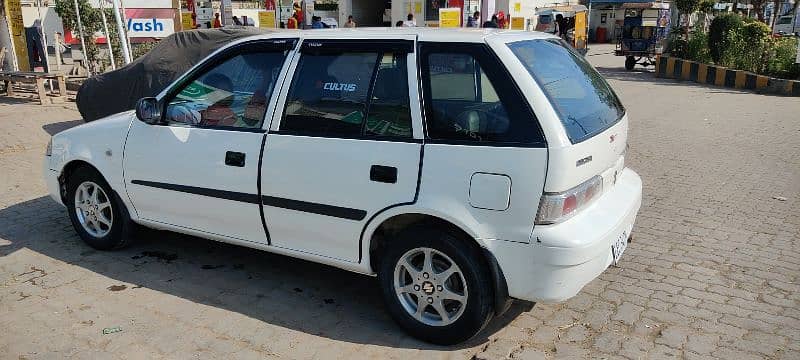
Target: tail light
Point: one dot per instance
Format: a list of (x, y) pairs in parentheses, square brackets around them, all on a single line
[(557, 207)]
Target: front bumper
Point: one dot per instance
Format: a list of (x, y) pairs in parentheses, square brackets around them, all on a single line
[(51, 180), (564, 257)]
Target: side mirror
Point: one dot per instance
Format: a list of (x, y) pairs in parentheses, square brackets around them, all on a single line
[(148, 110)]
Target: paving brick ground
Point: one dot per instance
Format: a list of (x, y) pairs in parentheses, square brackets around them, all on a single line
[(713, 272)]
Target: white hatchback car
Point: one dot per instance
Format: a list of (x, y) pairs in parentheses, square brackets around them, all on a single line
[(462, 167)]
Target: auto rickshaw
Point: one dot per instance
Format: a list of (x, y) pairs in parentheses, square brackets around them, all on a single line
[(575, 17), (643, 34)]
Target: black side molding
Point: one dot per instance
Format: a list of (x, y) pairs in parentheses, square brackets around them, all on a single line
[(221, 194), (297, 205), (314, 208)]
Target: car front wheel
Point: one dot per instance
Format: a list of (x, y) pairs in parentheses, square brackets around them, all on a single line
[(436, 286), (96, 214)]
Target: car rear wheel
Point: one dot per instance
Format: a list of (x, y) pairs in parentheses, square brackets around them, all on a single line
[(96, 213), (436, 286), (630, 63)]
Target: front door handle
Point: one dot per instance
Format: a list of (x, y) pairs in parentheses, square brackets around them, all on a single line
[(385, 174), (234, 158)]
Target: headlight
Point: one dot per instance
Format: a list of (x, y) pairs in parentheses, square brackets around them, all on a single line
[(49, 150)]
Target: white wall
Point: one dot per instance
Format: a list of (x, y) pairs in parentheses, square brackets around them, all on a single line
[(51, 24), (400, 10)]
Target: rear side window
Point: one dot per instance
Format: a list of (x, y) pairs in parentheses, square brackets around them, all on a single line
[(470, 97), (349, 94), (582, 98), (329, 94)]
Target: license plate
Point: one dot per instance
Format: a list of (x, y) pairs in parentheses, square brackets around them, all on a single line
[(619, 245)]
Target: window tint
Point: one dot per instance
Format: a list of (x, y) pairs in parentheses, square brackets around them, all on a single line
[(329, 93), (234, 93), (785, 20), (389, 112), (466, 100), (582, 98)]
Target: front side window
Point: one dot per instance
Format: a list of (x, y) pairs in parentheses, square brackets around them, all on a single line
[(335, 95), (582, 98), (470, 99), (233, 94)]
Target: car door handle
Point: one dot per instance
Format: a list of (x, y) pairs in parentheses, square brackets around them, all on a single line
[(385, 174), (234, 158)]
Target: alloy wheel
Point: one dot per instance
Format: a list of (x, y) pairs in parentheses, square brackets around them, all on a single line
[(93, 209), (430, 286)]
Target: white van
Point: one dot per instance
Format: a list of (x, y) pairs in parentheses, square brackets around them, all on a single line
[(464, 168), (786, 26)]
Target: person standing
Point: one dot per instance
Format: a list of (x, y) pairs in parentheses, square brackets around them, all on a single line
[(298, 15), (291, 22), (561, 27), (217, 23), (350, 23), (316, 22), (474, 20), (492, 23), (410, 22)]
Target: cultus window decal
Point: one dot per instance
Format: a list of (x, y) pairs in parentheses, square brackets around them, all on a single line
[(339, 86)]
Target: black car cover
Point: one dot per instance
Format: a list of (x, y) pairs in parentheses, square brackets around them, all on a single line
[(119, 90)]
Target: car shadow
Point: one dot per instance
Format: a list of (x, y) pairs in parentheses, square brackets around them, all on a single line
[(55, 128), (275, 289)]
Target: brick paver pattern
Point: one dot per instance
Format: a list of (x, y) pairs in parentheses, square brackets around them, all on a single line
[(713, 270)]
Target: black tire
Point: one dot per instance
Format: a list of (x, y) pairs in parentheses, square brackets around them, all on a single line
[(630, 63), (119, 233), (478, 310)]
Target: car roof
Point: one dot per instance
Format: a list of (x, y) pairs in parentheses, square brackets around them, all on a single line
[(477, 35)]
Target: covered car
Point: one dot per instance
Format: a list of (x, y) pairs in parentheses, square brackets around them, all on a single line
[(118, 90)]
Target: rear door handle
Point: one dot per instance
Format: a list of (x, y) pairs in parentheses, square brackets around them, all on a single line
[(384, 174), (234, 158)]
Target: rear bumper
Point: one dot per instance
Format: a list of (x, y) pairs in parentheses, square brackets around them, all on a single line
[(564, 257)]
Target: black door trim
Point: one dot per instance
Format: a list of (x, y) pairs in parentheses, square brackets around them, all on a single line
[(297, 205), (314, 208), (221, 194)]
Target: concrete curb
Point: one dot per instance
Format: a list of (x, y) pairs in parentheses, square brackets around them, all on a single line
[(676, 68)]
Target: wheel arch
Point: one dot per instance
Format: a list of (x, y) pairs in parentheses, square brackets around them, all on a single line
[(68, 169), (382, 231), (71, 166)]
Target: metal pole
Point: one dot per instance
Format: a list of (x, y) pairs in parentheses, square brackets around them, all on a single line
[(125, 21), (125, 53), (57, 47), (108, 35), (83, 43), (45, 57)]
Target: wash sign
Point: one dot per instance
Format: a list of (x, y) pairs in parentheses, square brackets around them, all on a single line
[(150, 27)]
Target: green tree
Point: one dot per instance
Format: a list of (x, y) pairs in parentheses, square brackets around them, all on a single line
[(722, 36), (92, 21)]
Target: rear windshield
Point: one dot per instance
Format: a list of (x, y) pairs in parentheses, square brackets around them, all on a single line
[(785, 20), (582, 98)]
